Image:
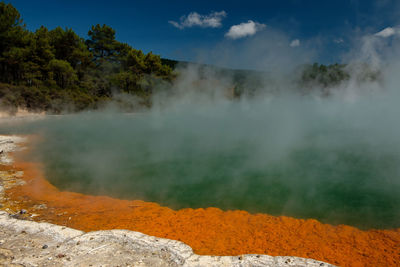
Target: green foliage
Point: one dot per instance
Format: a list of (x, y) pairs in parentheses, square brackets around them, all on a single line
[(11, 26), (324, 76), (70, 47), (58, 71), (321, 78), (102, 42), (126, 80), (63, 73), (154, 65), (13, 41), (40, 54)]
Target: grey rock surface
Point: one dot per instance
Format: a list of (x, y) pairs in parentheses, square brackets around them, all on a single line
[(9, 143), (28, 243)]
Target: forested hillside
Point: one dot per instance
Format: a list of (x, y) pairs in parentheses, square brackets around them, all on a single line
[(57, 69)]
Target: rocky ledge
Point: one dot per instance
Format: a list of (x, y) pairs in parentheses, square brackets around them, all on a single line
[(28, 243)]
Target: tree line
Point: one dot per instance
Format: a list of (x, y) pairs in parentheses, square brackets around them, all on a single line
[(54, 69), (57, 70)]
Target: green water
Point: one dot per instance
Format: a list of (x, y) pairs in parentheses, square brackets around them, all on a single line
[(336, 177)]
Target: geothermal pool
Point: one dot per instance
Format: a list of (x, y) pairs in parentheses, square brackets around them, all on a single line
[(333, 166)]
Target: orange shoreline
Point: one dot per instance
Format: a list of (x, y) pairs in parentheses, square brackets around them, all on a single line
[(209, 231)]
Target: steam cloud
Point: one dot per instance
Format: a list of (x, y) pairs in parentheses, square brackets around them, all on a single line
[(275, 150)]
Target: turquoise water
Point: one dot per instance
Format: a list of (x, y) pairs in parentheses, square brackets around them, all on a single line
[(333, 174), (306, 185)]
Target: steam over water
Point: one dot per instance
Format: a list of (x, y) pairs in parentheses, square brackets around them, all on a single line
[(334, 158), (329, 159)]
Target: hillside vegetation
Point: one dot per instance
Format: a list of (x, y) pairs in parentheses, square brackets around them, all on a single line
[(58, 71)]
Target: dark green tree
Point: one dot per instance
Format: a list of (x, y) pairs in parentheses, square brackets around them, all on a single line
[(154, 66), (102, 42), (70, 47), (13, 39), (11, 27), (34, 66), (40, 55), (63, 73)]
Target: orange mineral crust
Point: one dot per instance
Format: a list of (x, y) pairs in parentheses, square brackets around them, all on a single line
[(207, 231)]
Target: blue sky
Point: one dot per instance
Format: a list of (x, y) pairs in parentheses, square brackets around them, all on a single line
[(328, 28)]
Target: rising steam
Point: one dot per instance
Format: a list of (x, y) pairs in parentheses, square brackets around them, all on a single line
[(275, 150)]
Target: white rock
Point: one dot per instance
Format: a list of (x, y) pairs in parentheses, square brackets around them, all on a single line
[(69, 247)]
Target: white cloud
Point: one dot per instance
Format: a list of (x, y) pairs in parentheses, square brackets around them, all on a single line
[(338, 40), (295, 43), (387, 32), (213, 20), (244, 29)]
